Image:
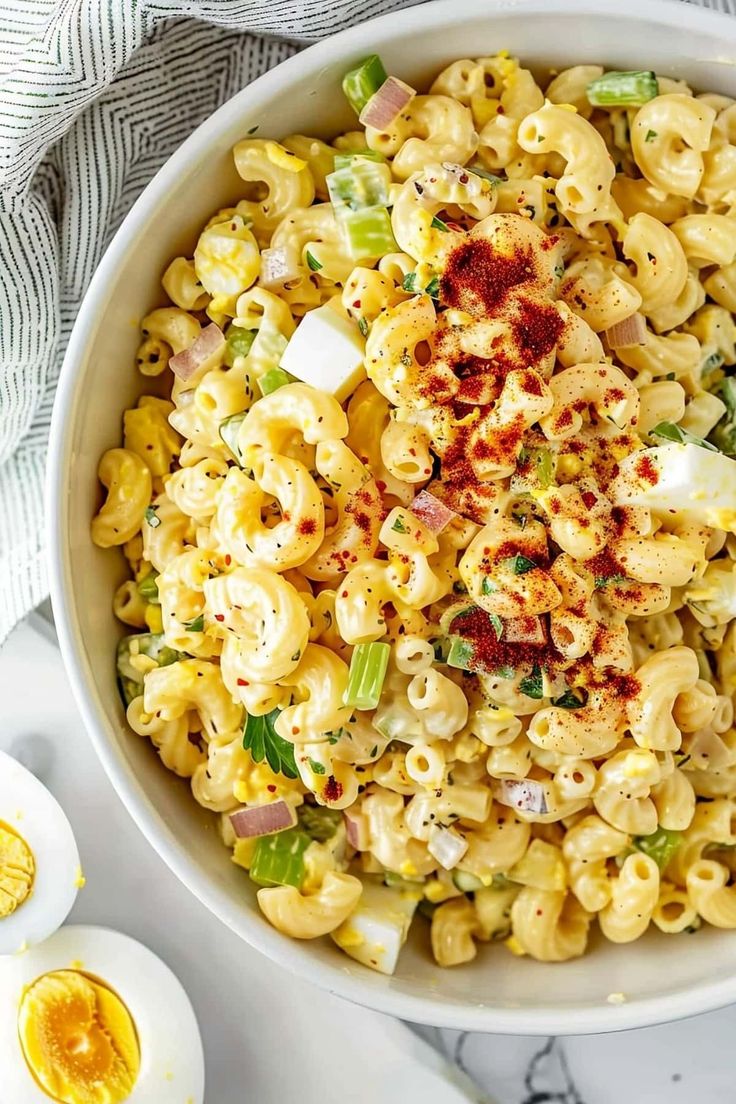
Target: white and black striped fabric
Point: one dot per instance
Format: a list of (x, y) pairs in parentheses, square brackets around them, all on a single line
[(94, 96)]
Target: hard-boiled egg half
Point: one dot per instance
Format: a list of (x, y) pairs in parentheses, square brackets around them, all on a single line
[(40, 873), (93, 1017)]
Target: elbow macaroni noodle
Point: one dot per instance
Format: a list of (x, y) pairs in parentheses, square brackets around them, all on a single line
[(552, 743)]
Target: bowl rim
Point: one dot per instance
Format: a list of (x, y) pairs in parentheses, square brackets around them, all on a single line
[(289, 954)]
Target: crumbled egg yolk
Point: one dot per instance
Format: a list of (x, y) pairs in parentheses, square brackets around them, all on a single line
[(154, 619), (17, 870), (78, 1039), (639, 763), (283, 158), (261, 780), (514, 946)]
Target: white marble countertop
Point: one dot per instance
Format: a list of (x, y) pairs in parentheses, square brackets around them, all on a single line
[(272, 1038)]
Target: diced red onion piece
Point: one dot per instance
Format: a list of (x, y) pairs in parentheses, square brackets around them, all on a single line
[(432, 512), (524, 794), (524, 630), (279, 267), (209, 343), (385, 104), (356, 827), (446, 846), (632, 331), (263, 820)]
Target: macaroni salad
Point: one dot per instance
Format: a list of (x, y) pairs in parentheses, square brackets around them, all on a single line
[(430, 512)]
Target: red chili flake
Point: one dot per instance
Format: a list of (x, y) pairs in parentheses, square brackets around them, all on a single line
[(242, 682), (228, 560), (333, 789), (219, 617), (271, 788), (307, 526), (646, 469)]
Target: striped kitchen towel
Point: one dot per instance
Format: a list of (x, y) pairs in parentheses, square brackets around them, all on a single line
[(94, 96)]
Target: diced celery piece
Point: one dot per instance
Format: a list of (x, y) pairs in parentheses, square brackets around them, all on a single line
[(273, 379), (319, 823), (361, 83), (368, 233), (279, 859), (229, 429), (660, 845), (623, 89), (148, 588), (271, 345), (238, 343), (367, 672), (348, 158), (362, 184)]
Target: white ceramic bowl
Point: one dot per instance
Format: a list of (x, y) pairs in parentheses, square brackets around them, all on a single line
[(662, 977)]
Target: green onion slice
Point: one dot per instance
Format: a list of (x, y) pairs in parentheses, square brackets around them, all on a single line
[(238, 342), (660, 845), (148, 588), (272, 380), (671, 432)]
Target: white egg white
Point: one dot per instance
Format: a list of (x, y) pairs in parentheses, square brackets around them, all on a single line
[(172, 1060), (29, 809)]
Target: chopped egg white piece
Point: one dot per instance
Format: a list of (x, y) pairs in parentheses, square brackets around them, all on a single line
[(712, 598), (40, 873), (685, 481), (376, 930), (327, 352), (91, 1016)]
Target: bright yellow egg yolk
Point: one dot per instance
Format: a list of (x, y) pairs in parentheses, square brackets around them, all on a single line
[(17, 870), (78, 1039)]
